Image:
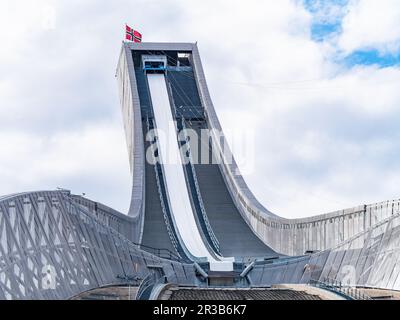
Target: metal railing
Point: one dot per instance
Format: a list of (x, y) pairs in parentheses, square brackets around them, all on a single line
[(205, 225), (165, 210), (204, 218), (149, 283), (346, 291), (146, 287), (160, 252)]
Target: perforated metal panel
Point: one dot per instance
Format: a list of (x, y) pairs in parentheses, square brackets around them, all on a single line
[(52, 247)]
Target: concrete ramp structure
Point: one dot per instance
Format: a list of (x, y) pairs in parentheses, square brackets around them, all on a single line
[(192, 221)]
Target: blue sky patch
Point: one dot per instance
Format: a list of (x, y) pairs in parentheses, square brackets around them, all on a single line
[(327, 17), (327, 23), (371, 57), (321, 31)]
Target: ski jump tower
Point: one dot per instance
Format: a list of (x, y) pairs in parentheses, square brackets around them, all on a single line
[(190, 222), (206, 212)]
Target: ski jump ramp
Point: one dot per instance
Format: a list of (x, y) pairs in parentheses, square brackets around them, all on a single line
[(179, 199)]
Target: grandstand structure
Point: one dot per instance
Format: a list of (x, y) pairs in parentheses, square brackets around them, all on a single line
[(190, 223)]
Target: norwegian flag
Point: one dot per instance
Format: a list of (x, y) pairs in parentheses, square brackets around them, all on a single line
[(132, 35)]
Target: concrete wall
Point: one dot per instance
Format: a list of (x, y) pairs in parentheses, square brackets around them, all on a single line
[(369, 259), (130, 105)]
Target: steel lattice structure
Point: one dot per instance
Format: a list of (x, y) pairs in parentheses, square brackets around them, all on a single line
[(53, 247)]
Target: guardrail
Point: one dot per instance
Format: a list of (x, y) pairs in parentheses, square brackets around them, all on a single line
[(348, 292), (146, 286), (190, 171), (162, 195), (204, 219), (160, 252)]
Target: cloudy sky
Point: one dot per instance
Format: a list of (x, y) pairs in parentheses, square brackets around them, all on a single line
[(318, 80)]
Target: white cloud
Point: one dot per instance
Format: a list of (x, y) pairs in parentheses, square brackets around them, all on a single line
[(371, 24), (326, 12), (324, 145), (92, 159)]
